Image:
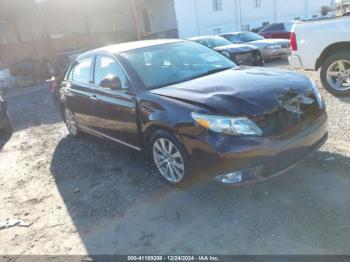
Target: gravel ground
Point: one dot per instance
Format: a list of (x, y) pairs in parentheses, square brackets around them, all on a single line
[(89, 196)]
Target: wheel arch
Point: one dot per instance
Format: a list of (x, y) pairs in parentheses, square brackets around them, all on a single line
[(148, 132), (332, 49)]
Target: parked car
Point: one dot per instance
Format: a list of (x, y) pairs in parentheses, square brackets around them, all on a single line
[(270, 48), (324, 44), (5, 122), (241, 54), (277, 30), (187, 106)]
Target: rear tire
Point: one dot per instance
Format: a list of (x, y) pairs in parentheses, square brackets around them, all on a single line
[(169, 157), (335, 74), (71, 123)]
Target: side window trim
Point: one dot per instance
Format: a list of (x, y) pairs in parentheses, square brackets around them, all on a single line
[(68, 76)]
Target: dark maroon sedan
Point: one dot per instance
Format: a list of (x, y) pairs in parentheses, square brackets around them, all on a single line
[(186, 105), (277, 30)]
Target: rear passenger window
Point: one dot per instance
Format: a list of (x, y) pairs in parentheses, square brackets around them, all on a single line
[(81, 71)]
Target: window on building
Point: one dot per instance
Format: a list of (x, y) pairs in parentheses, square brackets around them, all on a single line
[(217, 31), (257, 3), (217, 5)]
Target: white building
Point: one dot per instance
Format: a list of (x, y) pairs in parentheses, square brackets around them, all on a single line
[(186, 18)]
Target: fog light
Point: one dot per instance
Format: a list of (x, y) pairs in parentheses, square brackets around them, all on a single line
[(232, 178)]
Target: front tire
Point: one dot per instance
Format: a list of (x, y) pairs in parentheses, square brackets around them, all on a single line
[(335, 74), (169, 157), (71, 123)]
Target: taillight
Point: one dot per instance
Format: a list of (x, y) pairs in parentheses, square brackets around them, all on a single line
[(54, 86), (293, 42)]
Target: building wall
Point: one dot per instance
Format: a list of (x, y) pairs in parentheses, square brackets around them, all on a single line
[(160, 15), (32, 30), (197, 17)]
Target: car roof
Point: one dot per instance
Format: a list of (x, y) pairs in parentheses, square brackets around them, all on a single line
[(196, 38), (234, 33), (124, 47)]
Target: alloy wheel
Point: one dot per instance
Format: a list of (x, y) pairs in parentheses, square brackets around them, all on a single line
[(168, 160), (70, 122), (338, 75)]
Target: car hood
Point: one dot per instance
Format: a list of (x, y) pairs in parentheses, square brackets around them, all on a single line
[(236, 48), (268, 42), (239, 91)]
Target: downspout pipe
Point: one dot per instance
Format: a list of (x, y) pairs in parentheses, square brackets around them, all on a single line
[(136, 21)]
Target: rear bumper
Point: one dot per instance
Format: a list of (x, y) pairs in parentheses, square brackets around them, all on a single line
[(295, 61), (262, 157)]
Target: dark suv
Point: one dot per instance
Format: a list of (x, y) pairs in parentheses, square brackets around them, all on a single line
[(186, 105)]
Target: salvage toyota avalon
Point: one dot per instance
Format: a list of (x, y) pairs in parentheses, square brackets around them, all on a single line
[(188, 108)]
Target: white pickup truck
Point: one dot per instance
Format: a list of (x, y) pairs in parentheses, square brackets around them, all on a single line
[(324, 44)]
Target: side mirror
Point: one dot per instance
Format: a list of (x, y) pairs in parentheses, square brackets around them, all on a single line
[(113, 83)]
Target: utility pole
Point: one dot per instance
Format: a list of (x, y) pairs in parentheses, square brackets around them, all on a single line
[(136, 20), (240, 15)]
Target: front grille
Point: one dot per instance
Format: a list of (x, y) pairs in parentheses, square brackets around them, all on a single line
[(281, 121)]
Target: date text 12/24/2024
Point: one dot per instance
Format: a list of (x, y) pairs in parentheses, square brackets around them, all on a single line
[(173, 258)]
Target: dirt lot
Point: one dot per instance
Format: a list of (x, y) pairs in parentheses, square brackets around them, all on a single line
[(89, 196)]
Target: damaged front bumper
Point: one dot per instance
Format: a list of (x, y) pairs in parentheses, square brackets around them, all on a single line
[(241, 160)]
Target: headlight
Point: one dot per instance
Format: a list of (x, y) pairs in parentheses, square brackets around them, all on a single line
[(317, 93), (226, 54), (228, 125), (272, 47)]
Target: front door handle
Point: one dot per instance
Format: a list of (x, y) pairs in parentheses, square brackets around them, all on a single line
[(93, 98)]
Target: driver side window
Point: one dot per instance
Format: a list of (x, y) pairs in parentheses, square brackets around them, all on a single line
[(107, 67)]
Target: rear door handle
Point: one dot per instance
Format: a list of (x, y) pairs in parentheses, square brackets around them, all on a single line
[(93, 98)]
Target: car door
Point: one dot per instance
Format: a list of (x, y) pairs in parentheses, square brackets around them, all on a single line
[(78, 90), (115, 109)]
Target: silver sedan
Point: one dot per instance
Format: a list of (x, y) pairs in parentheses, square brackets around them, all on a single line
[(270, 48)]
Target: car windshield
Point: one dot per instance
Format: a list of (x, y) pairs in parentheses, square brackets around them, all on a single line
[(213, 42), (169, 64), (250, 37)]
